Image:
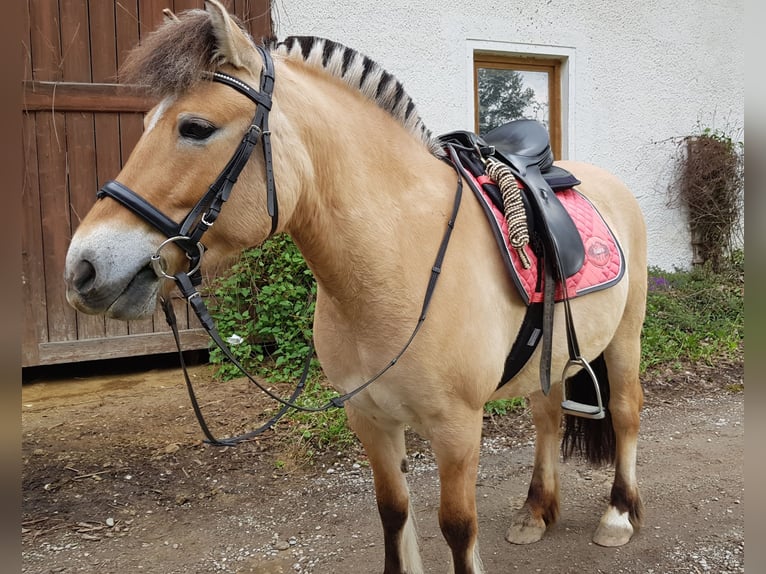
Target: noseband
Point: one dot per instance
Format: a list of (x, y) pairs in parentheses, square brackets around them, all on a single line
[(188, 234)]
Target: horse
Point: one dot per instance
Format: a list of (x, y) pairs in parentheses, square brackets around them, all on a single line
[(352, 174)]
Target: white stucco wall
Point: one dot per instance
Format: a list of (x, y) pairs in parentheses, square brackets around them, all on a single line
[(639, 74)]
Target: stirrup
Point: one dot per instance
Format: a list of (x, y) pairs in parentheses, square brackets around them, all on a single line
[(581, 409)]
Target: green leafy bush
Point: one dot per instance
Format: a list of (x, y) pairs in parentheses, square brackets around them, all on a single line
[(267, 300)]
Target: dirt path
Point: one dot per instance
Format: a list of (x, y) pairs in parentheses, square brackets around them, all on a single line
[(116, 480)]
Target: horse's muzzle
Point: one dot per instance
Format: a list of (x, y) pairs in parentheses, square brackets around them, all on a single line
[(108, 272)]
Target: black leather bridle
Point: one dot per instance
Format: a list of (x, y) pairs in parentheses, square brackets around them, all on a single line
[(187, 236)]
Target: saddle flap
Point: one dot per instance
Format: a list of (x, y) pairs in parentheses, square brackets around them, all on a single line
[(560, 230)]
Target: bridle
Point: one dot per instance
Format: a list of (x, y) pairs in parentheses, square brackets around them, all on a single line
[(188, 234)]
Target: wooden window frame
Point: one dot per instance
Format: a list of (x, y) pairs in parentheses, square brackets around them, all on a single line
[(507, 61)]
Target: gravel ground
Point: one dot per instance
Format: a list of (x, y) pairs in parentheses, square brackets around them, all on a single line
[(115, 479)]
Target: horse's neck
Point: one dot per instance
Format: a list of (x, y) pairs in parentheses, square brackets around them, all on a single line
[(373, 199), (365, 227)]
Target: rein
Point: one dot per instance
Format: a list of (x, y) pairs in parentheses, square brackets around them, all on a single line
[(188, 234)]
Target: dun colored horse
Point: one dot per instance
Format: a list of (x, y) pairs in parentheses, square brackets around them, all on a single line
[(349, 171)]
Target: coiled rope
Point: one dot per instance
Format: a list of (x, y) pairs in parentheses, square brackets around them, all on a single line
[(513, 207)]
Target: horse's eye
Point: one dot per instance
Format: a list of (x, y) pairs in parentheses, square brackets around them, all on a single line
[(196, 129)]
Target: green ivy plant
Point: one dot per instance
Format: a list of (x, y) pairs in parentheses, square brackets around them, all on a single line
[(264, 308)]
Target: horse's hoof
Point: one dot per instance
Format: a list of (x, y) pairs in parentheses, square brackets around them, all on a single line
[(614, 529), (524, 534), (525, 530)]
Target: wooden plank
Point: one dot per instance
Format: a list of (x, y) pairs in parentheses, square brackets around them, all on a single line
[(125, 346), (103, 34), (103, 31), (256, 14), (80, 143), (75, 40), (77, 97), (104, 67), (150, 14), (54, 202), (127, 23), (182, 5), (46, 66), (45, 41), (35, 324), (26, 43)]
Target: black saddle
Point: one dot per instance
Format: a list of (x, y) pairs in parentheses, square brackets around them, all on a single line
[(524, 145)]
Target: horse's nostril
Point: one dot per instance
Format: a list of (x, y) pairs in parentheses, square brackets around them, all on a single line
[(84, 276)]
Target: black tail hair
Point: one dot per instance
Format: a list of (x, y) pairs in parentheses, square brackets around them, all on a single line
[(591, 439)]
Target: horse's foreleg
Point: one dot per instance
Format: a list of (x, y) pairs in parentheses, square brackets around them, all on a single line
[(623, 516), (456, 447), (385, 448), (542, 505)]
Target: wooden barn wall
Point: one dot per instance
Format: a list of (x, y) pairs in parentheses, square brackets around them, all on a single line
[(79, 127)]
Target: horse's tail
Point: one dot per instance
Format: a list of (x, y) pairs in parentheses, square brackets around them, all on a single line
[(592, 439)]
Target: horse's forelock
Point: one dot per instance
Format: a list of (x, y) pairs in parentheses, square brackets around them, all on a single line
[(174, 57)]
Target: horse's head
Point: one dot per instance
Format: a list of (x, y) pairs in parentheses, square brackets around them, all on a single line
[(189, 138)]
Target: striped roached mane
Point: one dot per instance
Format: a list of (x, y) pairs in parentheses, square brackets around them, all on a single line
[(182, 52), (362, 73)]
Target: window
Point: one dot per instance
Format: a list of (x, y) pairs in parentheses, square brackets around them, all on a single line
[(508, 87)]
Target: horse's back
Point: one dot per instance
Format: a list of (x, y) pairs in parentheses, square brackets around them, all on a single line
[(617, 204)]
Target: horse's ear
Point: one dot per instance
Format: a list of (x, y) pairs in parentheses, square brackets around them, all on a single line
[(234, 47), (169, 16)]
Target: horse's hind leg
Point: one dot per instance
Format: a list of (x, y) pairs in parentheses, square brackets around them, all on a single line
[(456, 447), (541, 507), (386, 450), (623, 515)]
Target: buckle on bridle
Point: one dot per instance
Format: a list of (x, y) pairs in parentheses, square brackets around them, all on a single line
[(156, 259), (208, 224)]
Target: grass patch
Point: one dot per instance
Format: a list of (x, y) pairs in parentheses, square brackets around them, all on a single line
[(502, 407), (318, 431), (695, 315)]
